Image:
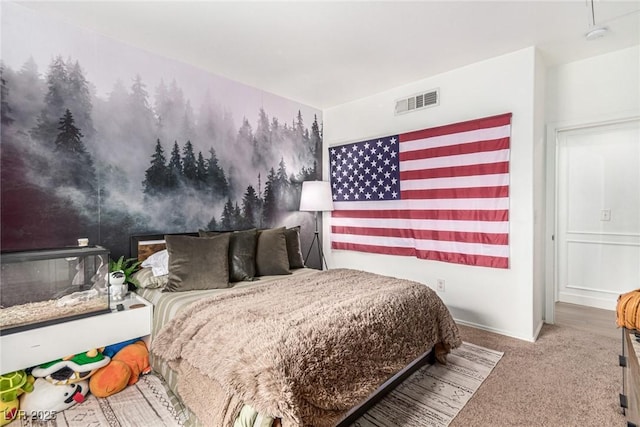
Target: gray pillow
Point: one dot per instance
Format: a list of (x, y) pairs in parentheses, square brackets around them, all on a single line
[(271, 252), (197, 263), (242, 253), (294, 251)]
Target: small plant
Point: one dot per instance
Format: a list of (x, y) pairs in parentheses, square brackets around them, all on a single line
[(128, 266)]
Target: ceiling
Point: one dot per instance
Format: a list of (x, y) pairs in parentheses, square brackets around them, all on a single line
[(325, 53)]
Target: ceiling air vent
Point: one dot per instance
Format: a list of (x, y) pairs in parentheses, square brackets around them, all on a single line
[(418, 102)]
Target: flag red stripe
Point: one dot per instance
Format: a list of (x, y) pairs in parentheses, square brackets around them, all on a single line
[(451, 171), (452, 150), (443, 235), (467, 259), (487, 122), (457, 193), (448, 214)]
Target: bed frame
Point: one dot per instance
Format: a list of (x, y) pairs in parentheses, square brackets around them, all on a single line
[(141, 246)]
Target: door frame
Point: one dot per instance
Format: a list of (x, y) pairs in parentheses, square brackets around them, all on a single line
[(551, 202)]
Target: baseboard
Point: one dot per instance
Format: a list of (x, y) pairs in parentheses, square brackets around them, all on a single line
[(498, 331), (604, 304)]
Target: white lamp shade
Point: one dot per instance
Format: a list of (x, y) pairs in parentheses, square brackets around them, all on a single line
[(316, 196)]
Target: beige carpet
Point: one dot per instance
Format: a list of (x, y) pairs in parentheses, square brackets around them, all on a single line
[(433, 395), (566, 378)]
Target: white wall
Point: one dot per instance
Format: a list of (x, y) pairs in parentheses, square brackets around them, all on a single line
[(599, 89), (539, 200), (494, 299), (596, 89)]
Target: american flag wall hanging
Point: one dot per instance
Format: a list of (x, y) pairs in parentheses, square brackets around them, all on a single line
[(439, 194)]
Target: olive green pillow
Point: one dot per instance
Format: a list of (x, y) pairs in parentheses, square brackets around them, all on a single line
[(197, 263), (271, 252), (294, 250)]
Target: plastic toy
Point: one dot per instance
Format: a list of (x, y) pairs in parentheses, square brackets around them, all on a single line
[(72, 369)]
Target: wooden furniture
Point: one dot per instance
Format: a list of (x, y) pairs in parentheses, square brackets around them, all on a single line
[(32, 347), (630, 362)]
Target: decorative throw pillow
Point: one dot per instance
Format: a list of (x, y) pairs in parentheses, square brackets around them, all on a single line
[(242, 253), (146, 279), (197, 262), (294, 251), (271, 252)]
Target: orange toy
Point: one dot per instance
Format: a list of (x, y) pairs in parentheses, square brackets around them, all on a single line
[(123, 370)]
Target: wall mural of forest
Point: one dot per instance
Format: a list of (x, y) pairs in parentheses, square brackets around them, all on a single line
[(79, 159)]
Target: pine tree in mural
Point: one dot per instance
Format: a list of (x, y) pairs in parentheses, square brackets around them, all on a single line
[(283, 187), (57, 79), (189, 168), (201, 172), (155, 181), (174, 172), (251, 209), (5, 110), (227, 218), (270, 205), (316, 145), (78, 99), (75, 167), (216, 180), (140, 126)]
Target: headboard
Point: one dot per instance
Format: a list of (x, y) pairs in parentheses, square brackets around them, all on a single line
[(143, 245)]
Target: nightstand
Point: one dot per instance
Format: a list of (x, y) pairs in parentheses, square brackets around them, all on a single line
[(33, 347)]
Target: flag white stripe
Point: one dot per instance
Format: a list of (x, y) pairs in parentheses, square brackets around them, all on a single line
[(456, 182), (501, 203), (428, 245), (457, 138), (457, 160), (500, 227)]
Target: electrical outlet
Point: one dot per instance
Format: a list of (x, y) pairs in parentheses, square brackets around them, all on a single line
[(440, 285), (605, 215)]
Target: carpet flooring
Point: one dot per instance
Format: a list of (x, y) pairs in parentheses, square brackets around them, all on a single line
[(566, 378), (433, 395)]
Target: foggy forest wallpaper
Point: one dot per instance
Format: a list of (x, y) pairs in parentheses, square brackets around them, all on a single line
[(103, 140)]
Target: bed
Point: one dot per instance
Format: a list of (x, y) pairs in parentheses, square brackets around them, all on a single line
[(286, 345)]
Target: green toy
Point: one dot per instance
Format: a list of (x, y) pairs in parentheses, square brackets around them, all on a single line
[(14, 384)]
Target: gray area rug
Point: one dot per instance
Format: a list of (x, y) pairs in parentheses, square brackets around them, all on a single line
[(434, 395), (145, 403)]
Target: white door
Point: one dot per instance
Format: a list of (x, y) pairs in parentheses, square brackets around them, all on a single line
[(598, 214)]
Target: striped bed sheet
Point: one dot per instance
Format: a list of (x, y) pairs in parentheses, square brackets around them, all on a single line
[(165, 307)]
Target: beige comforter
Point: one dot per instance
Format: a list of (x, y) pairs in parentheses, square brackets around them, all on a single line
[(304, 349)]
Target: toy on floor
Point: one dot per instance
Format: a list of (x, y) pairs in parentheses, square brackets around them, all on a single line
[(123, 370), (47, 399), (8, 411), (112, 349), (73, 368), (12, 385)]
